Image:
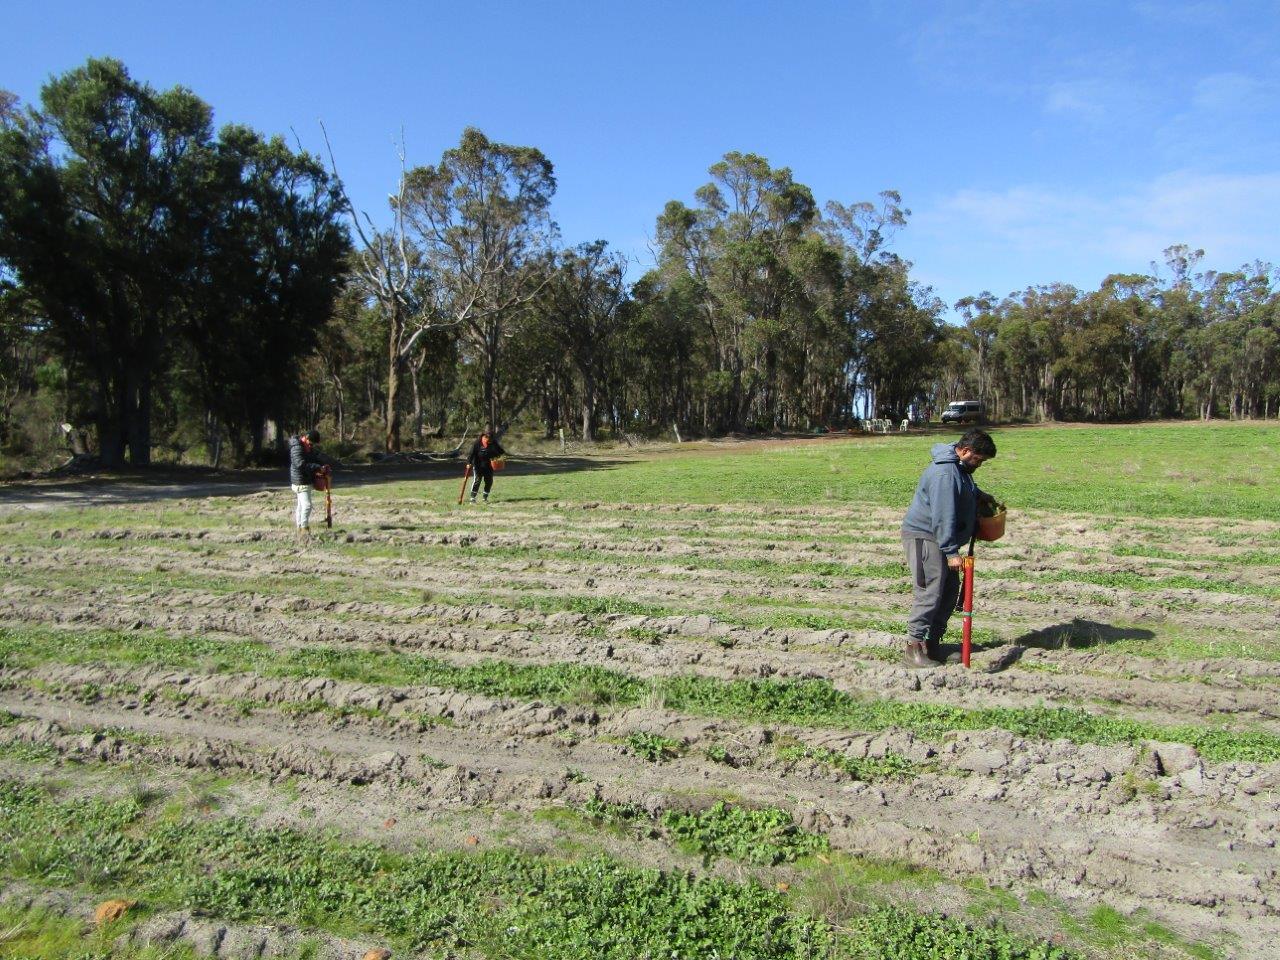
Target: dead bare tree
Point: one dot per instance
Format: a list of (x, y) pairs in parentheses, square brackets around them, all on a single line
[(392, 272)]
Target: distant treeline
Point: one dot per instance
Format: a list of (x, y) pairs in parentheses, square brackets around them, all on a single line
[(165, 287)]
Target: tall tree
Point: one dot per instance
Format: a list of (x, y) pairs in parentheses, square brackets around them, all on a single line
[(98, 217), (582, 312), (482, 215), (393, 274), (275, 254), (738, 245)]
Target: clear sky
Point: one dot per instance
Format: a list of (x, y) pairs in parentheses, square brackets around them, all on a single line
[(1034, 141)]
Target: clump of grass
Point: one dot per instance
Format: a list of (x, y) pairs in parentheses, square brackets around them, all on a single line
[(606, 812), (760, 836), (38, 935)]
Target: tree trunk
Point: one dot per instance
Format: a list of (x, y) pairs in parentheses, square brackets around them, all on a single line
[(588, 410), (108, 411), (392, 443), (490, 385), (417, 409), (137, 416), (339, 408)]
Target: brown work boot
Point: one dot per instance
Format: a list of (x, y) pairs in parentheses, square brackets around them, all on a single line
[(914, 656)]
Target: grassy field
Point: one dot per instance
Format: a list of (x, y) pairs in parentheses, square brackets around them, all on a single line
[(647, 704), (1184, 470)]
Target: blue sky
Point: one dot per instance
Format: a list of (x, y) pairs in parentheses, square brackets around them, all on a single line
[(1034, 142)]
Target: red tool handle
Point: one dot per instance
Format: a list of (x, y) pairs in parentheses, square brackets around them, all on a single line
[(966, 611)]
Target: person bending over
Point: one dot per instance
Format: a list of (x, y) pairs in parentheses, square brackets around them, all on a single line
[(940, 521), (483, 452)]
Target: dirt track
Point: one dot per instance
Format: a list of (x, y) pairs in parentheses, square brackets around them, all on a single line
[(1133, 826)]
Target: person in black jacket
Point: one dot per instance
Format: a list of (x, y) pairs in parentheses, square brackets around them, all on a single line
[(483, 452), (305, 461)]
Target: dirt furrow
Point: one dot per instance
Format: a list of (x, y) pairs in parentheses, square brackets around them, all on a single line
[(1055, 814), (653, 647)]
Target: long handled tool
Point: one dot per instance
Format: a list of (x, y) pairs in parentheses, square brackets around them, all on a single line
[(966, 608), (466, 475), (323, 480)]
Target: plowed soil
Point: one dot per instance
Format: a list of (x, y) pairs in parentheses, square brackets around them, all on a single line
[(1175, 625)]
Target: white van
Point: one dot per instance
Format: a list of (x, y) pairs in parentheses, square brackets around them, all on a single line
[(964, 411)]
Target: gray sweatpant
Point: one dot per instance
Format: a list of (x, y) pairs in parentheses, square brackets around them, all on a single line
[(934, 588)]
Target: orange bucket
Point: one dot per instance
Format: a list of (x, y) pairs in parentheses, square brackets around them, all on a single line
[(992, 528)]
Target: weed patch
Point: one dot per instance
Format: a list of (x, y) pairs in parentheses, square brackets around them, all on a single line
[(653, 747), (891, 766), (764, 837)]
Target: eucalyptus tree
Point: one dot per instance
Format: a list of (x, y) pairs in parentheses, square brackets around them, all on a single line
[(20, 327), (482, 217), (982, 324), (738, 246)]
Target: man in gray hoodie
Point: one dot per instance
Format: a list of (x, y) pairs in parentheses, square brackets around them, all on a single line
[(940, 521)]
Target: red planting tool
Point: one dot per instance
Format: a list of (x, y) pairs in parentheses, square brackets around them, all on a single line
[(966, 608)]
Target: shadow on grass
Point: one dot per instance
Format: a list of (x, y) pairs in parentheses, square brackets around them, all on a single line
[(176, 483), (1079, 634)]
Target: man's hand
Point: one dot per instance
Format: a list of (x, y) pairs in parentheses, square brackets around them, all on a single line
[(986, 500), (955, 563)]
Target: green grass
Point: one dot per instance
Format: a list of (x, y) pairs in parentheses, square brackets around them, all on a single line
[(1156, 470), (497, 902), (818, 703), (39, 935), (800, 703), (1109, 930), (563, 682)]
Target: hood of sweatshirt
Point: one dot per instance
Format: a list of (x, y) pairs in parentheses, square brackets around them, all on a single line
[(944, 453)]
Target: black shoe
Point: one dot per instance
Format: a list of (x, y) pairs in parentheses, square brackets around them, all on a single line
[(915, 657)]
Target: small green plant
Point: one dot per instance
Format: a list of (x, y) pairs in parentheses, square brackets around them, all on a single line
[(654, 747), (718, 754), (643, 635), (603, 811)]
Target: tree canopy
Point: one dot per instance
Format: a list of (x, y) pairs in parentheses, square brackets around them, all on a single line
[(165, 284)]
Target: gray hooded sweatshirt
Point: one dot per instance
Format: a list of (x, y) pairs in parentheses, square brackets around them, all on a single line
[(945, 507)]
